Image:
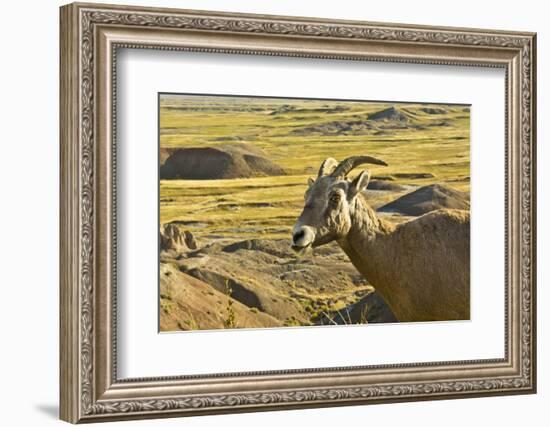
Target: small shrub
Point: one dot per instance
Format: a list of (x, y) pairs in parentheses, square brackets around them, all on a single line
[(291, 321)]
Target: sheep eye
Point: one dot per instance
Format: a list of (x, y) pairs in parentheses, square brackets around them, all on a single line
[(334, 198)]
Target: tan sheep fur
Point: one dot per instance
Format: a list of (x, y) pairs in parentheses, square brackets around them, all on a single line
[(421, 267)]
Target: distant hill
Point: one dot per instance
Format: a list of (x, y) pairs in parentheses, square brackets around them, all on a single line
[(390, 118), (219, 162), (383, 185), (390, 114)]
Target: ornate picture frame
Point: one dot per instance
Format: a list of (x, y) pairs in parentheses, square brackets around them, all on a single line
[(90, 37)]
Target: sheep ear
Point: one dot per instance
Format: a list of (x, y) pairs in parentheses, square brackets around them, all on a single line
[(310, 181), (358, 184)]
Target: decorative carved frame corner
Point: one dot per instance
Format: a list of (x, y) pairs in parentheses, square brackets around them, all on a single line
[(90, 37)]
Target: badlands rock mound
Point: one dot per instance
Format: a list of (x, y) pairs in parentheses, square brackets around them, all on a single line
[(219, 162), (427, 199), (172, 238)]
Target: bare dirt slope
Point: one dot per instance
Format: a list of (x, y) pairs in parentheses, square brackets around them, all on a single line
[(265, 277), (187, 303)]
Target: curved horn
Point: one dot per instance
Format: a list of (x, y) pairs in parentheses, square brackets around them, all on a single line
[(352, 162), (327, 167)]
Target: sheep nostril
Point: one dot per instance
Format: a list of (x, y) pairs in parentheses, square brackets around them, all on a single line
[(297, 236)]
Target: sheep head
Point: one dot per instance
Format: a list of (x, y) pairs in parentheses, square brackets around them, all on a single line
[(329, 202)]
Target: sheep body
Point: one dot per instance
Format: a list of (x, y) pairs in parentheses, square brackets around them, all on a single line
[(421, 267)]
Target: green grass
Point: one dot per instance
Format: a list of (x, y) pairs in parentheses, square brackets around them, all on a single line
[(229, 208)]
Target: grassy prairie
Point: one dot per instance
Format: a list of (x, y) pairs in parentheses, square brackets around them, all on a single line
[(298, 135)]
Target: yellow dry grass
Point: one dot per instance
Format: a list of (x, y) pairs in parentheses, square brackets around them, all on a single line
[(437, 144)]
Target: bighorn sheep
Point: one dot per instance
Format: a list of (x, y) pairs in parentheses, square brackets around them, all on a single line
[(421, 267)]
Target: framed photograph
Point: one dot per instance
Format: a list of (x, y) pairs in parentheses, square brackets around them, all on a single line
[(266, 212)]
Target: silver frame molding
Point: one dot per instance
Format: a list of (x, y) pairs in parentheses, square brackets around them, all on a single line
[(90, 37)]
